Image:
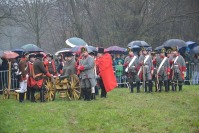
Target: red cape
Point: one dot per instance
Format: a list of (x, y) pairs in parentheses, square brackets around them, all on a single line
[(106, 72)]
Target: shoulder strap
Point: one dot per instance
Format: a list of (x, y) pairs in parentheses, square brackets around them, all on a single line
[(131, 62), (147, 57), (161, 64)]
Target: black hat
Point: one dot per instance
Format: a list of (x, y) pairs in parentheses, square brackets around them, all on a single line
[(68, 54), (39, 55), (83, 49), (24, 54), (100, 50), (49, 55), (32, 55)]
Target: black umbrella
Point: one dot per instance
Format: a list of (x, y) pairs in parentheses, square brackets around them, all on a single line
[(31, 48), (159, 48), (191, 44), (115, 50), (19, 51), (195, 50), (175, 43), (138, 43)]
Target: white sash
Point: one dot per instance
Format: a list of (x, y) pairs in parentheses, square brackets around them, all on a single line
[(131, 62), (161, 64), (174, 62), (147, 57)]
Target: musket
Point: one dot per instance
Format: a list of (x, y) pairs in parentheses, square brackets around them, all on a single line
[(143, 74), (157, 81)]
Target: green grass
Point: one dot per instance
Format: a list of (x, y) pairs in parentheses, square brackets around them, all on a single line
[(121, 112)]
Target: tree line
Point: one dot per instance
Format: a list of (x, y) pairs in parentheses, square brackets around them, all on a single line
[(48, 23)]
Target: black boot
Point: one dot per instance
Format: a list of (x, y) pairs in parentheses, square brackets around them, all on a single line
[(28, 94), (146, 85), (138, 86), (160, 86), (166, 85), (131, 89), (180, 85), (150, 86), (42, 95), (85, 94), (88, 94), (20, 97), (32, 95)]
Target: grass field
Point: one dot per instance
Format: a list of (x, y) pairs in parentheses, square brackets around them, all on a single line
[(120, 112)]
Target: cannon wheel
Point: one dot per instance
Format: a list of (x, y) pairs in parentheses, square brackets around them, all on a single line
[(50, 90), (75, 90)]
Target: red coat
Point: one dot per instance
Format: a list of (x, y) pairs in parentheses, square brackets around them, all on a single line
[(106, 72)]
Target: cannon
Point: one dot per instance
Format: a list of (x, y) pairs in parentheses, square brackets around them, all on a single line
[(67, 86)]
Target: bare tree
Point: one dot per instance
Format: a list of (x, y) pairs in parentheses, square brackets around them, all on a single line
[(33, 15)]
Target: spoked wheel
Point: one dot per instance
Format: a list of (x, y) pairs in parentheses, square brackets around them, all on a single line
[(75, 90), (50, 90)]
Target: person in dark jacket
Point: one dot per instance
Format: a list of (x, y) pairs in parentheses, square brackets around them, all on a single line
[(38, 77)]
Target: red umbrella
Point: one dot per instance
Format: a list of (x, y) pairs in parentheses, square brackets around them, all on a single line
[(10, 55)]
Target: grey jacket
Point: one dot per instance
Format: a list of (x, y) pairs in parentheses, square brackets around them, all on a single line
[(69, 67), (88, 64)]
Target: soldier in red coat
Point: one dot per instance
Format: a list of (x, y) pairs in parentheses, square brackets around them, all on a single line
[(24, 77), (30, 66), (38, 72), (50, 66)]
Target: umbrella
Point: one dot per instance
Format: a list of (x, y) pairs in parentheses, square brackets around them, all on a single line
[(77, 49), (138, 43), (1, 53), (10, 55), (31, 48), (195, 50), (74, 41), (18, 51), (63, 50), (115, 49), (159, 48), (191, 44), (175, 42)]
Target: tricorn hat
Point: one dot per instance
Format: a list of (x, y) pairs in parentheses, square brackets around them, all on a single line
[(174, 48), (143, 49), (25, 53), (32, 55), (38, 55), (100, 50), (49, 55), (83, 49), (169, 51), (163, 50), (68, 54), (129, 49)]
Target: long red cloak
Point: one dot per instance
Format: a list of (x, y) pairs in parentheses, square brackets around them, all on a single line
[(104, 64)]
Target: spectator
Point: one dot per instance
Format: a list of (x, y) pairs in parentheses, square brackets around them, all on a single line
[(195, 78), (119, 73)]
